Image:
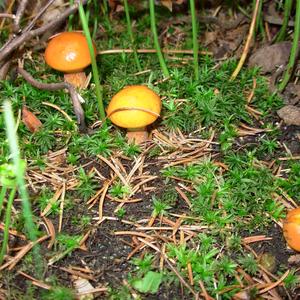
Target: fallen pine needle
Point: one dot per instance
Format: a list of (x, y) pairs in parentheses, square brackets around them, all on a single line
[(190, 273), (183, 228), (205, 294), (93, 291), (274, 284), (59, 109), (78, 273), (167, 51), (124, 181), (14, 232), (290, 158), (51, 231), (52, 201), (247, 45), (61, 209), (183, 196), (35, 281), (250, 97), (140, 234), (11, 264), (101, 201), (257, 238)]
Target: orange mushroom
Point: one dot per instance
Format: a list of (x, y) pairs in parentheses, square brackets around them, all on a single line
[(134, 108), (291, 228), (69, 52)]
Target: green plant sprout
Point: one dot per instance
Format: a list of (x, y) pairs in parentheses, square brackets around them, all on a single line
[(129, 30), (259, 21), (98, 87), (19, 169), (155, 39), (294, 51), (7, 223), (287, 11), (195, 38)]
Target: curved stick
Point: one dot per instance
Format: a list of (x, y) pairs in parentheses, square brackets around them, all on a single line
[(59, 86)]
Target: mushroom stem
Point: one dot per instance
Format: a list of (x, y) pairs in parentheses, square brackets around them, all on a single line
[(78, 79), (137, 135)]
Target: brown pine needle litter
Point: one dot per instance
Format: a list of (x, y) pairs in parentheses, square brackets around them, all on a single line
[(145, 233)]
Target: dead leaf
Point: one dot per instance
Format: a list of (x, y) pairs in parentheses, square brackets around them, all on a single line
[(290, 115), (269, 58), (168, 4), (30, 120)]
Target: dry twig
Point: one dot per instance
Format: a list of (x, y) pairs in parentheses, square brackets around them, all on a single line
[(17, 41), (59, 86)]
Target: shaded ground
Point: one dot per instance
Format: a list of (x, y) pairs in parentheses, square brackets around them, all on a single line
[(206, 181)]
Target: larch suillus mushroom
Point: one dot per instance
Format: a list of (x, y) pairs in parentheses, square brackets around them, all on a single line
[(134, 108), (68, 52), (291, 228)]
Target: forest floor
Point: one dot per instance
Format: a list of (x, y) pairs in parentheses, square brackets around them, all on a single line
[(196, 211)]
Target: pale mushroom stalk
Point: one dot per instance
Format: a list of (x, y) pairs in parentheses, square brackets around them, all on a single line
[(137, 135), (77, 79)]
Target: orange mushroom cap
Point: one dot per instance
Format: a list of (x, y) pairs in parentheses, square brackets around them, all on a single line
[(291, 228), (68, 52), (134, 106)]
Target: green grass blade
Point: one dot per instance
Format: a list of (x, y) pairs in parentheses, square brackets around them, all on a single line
[(19, 171), (2, 196), (195, 38), (98, 87), (156, 42), (287, 11), (7, 223), (294, 50), (129, 30)]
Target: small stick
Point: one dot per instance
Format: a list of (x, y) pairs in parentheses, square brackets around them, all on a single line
[(35, 281), (190, 273), (40, 13), (5, 15), (8, 10), (247, 45), (167, 51), (4, 69), (101, 201), (17, 41), (19, 14), (61, 209), (59, 86)]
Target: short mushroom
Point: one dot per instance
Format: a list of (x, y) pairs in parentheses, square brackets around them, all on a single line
[(134, 108), (291, 228), (69, 52)]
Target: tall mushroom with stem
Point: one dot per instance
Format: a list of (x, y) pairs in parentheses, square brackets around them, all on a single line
[(134, 108), (68, 52)]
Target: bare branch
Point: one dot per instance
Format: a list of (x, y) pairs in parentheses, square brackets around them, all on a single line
[(17, 41), (39, 14), (4, 69), (10, 16), (59, 86), (19, 14)]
